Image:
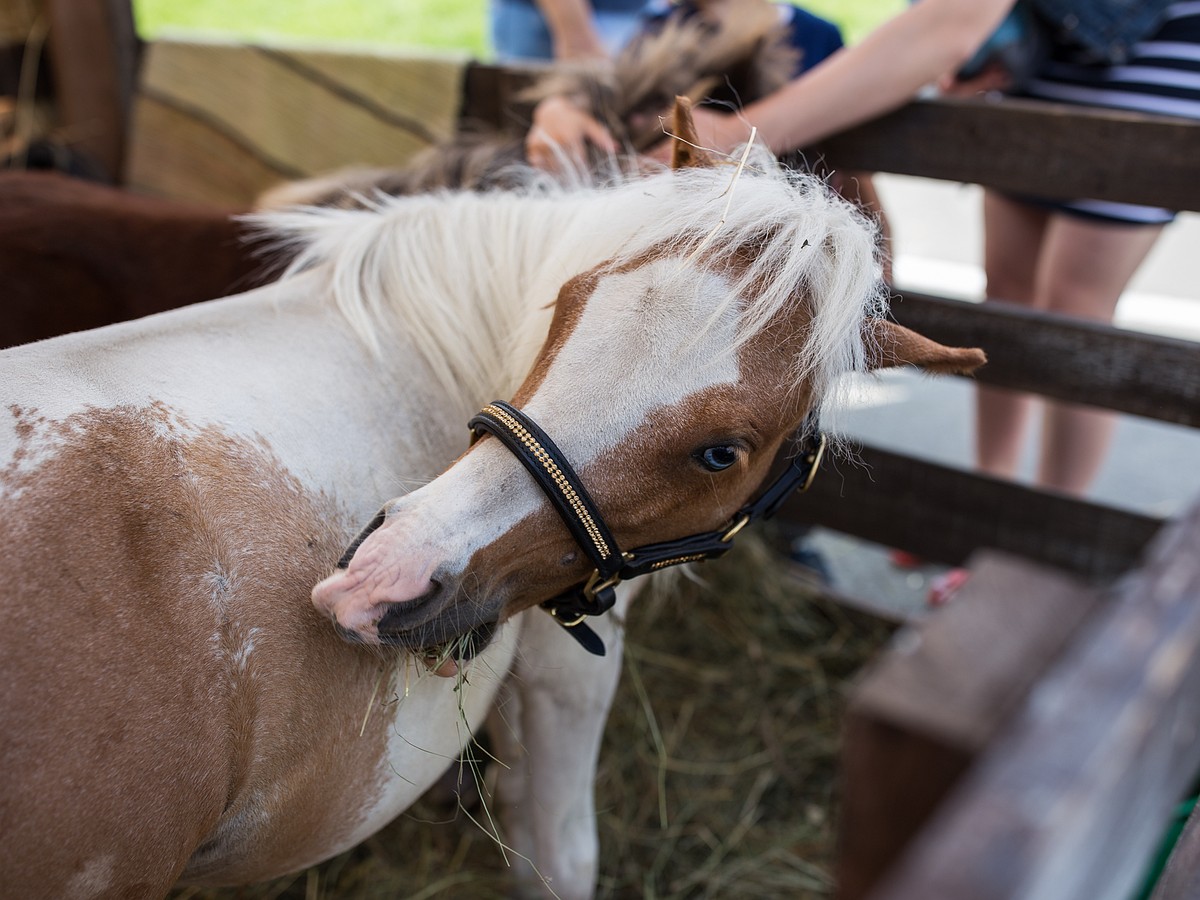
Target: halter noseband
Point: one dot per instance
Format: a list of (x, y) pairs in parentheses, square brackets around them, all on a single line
[(562, 486)]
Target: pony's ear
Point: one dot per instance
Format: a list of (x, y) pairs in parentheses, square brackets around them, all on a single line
[(894, 345), (686, 151)]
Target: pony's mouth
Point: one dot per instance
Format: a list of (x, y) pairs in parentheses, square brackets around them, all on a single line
[(443, 656)]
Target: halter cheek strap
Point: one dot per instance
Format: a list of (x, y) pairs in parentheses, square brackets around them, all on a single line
[(562, 486)]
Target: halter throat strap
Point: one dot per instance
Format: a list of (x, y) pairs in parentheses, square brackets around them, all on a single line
[(562, 486)]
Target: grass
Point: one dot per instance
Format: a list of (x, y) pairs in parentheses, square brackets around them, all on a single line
[(459, 25)]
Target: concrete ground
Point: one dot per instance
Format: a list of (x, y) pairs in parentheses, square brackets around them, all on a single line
[(1151, 467)]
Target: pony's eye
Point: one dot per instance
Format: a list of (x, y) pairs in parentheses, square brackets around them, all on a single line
[(718, 458)]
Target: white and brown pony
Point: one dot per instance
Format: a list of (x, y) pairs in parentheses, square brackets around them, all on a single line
[(176, 703)]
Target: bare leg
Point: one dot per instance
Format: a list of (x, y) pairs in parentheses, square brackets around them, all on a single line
[(1012, 248), (1084, 269)]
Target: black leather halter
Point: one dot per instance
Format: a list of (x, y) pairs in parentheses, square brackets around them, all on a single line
[(558, 480)]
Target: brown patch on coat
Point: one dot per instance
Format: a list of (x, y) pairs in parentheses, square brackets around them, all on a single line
[(169, 691)]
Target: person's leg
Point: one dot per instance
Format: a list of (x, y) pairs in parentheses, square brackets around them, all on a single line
[(1085, 267), (1012, 246)]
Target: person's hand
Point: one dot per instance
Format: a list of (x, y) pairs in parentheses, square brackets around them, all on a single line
[(717, 131), (992, 77), (561, 132)]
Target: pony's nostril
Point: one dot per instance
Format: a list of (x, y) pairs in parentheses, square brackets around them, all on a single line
[(344, 562)]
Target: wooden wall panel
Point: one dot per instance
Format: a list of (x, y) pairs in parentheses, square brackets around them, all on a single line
[(945, 514), (221, 122), (16, 19)]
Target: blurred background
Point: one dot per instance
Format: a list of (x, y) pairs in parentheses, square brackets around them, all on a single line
[(435, 24)]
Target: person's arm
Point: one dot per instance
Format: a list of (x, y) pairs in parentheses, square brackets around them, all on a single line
[(881, 73), (572, 29)]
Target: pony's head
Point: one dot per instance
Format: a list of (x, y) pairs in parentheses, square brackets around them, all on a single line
[(672, 376)]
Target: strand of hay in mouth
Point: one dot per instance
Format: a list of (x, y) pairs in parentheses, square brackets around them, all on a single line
[(743, 678)]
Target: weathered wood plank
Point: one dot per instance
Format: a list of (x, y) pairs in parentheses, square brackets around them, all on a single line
[(16, 20), (94, 57), (1030, 147), (262, 115), (944, 514), (1070, 802), (492, 96), (924, 712), (1066, 358)]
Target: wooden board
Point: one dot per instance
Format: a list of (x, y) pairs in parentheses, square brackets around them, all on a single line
[(1070, 802), (1066, 358), (1036, 148), (492, 96), (930, 706), (16, 19), (945, 514), (221, 122), (94, 54)]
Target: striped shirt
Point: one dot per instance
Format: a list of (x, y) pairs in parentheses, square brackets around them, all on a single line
[(1162, 76)]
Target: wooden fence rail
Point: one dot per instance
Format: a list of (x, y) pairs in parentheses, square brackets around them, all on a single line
[(1033, 148), (1067, 359)]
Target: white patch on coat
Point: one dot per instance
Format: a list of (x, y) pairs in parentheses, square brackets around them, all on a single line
[(431, 720), (646, 341), (93, 880)]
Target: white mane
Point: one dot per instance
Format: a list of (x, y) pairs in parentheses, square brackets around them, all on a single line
[(470, 279)]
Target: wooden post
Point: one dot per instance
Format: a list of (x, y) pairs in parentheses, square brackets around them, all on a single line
[(929, 707), (1069, 803), (93, 52)]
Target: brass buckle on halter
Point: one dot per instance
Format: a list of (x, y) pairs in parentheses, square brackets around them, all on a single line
[(595, 585), (742, 521), (563, 622), (814, 463)]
